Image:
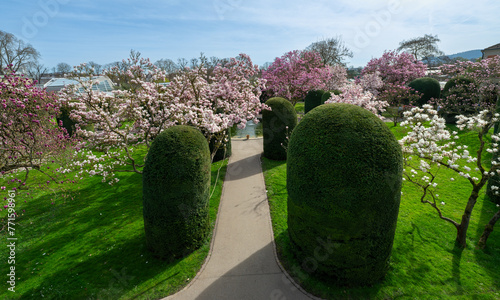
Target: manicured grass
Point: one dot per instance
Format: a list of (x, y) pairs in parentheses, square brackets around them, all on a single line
[(299, 107), (425, 264), (86, 241)]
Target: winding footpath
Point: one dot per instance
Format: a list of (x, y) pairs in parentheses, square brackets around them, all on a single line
[(242, 262)]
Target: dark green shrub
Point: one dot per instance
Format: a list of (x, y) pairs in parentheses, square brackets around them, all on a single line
[(176, 186), (328, 94), (67, 123), (457, 98), (312, 99), (277, 124), (224, 148), (427, 87), (344, 172)]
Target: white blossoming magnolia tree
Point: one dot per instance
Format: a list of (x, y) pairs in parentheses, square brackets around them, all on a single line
[(434, 147), (113, 125), (356, 94)]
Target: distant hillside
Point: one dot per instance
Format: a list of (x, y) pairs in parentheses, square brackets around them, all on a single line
[(472, 54)]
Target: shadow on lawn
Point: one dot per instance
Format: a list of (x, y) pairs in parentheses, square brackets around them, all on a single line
[(97, 251), (489, 258)]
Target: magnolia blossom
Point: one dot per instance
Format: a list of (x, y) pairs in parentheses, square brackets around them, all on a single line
[(353, 93), (478, 90), (435, 145), (294, 74), (395, 68), (30, 137), (117, 123)]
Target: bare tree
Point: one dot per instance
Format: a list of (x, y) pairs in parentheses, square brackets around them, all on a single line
[(182, 63), (63, 68), (166, 65), (15, 53), (37, 71), (97, 67), (332, 50), (422, 47)]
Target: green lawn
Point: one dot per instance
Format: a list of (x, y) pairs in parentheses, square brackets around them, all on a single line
[(86, 241), (299, 107), (425, 264)]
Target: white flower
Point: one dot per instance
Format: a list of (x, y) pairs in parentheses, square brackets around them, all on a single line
[(442, 203)]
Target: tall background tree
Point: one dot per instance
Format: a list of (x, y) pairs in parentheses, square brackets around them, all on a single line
[(16, 53), (422, 47), (332, 51), (37, 71), (98, 69), (63, 68)]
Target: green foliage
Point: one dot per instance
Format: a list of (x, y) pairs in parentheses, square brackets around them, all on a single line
[(328, 94), (344, 172), (224, 150), (313, 99), (66, 121), (277, 123), (427, 87), (176, 187)]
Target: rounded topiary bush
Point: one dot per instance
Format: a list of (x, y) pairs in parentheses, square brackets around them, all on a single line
[(277, 124), (224, 151), (328, 94), (176, 185), (427, 87), (344, 172), (312, 99), (458, 98)]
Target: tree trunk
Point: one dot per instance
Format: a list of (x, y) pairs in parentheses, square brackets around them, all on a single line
[(464, 224), (487, 230)]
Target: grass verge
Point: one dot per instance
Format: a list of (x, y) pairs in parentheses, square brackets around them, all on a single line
[(425, 264), (86, 241)]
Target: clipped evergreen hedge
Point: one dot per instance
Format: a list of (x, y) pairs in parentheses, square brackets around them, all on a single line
[(176, 186), (344, 172), (427, 87), (274, 126), (67, 123), (312, 99)]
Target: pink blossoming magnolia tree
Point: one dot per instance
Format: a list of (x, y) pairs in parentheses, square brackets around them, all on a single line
[(30, 138), (296, 73), (115, 124), (430, 146), (396, 70), (476, 90)]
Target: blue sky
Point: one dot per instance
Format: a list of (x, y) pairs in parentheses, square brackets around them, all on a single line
[(74, 31)]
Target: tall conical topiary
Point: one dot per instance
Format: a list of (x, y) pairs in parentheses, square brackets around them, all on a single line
[(277, 124), (344, 173), (176, 185), (312, 99), (427, 87)]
